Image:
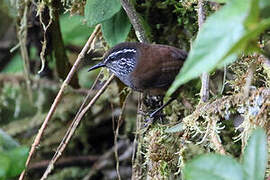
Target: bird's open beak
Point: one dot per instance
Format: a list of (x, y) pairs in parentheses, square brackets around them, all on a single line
[(99, 65)]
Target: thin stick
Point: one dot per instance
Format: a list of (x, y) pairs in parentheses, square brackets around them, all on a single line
[(66, 138), (137, 153), (249, 79), (116, 134), (74, 126), (205, 76), (58, 98), (224, 79), (22, 36), (201, 14), (135, 21)]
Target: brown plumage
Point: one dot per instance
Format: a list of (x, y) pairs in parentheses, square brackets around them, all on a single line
[(148, 68), (156, 68)]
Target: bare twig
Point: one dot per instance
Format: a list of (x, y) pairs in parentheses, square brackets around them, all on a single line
[(224, 79), (135, 21), (58, 98), (136, 155), (201, 14), (74, 126), (249, 79), (116, 133), (205, 76), (71, 128), (138, 126), (205, 87), (22, 36), (266, 65)]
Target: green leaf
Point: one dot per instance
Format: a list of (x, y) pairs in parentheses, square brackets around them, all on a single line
[(176, 128), (73, 30), (116, 29), (253, 16), (225, 34), (4, 165), (227, 60), (97, 11), (6, 141), (213, 167), (245, 42), (255, 155), (18, 158), (218, 35), (252, 34)]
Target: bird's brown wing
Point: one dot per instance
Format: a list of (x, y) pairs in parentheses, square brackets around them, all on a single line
[(159, 66)]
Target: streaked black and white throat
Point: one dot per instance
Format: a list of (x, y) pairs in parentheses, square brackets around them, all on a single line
[(121, 62)]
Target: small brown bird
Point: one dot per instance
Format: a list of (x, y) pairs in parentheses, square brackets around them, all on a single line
[(147, 68)]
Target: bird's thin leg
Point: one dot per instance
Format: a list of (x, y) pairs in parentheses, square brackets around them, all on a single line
[(153, 114)]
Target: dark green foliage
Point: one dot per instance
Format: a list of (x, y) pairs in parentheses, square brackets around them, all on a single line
[(169, 22), (224, 35), (97, 11), (116, 29), (115, 23)]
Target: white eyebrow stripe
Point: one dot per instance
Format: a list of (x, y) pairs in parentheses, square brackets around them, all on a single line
[(119, 52)]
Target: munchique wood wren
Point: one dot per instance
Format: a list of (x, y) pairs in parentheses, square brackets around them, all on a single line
[(147, 68)]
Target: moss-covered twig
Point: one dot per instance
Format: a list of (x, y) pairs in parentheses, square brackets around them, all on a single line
[(253, 110), (205, 76), (214, 136)]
